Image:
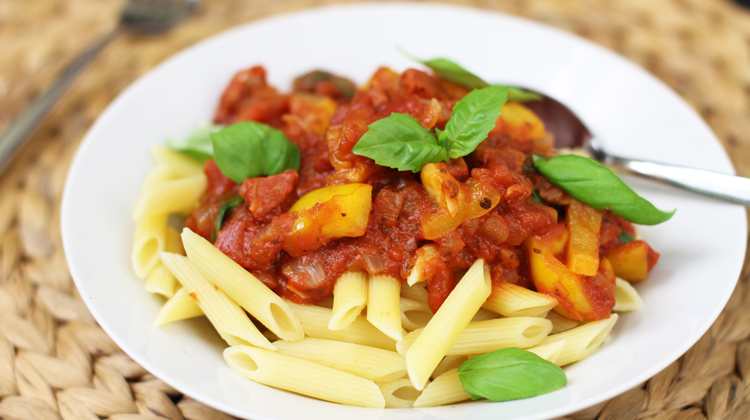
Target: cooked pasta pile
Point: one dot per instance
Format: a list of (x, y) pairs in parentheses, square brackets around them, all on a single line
[(371, 285)]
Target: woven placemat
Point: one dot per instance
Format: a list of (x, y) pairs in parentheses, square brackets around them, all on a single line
[(56, 362)]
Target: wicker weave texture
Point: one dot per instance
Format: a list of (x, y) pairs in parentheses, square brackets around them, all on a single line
[(57, 363)]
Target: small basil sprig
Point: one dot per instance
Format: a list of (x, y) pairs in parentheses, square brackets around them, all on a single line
[(453, 72), (399, 141), (590, 182), (251, 149), (510, 374), (473, 117), (198, 144), (225, 208)]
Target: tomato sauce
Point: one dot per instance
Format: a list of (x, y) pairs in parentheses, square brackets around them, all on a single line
[(325, 115)]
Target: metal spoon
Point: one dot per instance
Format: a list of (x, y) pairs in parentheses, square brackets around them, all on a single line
[(139, 16), (570, 131)]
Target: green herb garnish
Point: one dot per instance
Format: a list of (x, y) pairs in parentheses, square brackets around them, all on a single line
[(225, 208), (590, 182), (453, 72), (473, 117), (510, 374), (625, 237), (399, 141), (251, 149), (198, 144)]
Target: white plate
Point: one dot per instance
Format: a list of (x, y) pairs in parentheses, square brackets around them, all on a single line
[(702, 247)]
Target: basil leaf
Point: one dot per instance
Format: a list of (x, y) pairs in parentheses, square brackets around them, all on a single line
[(453, 72), (473, 117), (228, 206), (510, 374), (399, 141), (198, 144), (592, 183), (625, 237), (536, 197), (251, 149)]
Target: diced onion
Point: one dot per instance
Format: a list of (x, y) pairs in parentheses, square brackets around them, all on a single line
[(374, 264), (311, 275)]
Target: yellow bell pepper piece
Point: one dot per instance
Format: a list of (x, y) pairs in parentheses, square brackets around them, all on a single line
[(326, 214), (583, 247)]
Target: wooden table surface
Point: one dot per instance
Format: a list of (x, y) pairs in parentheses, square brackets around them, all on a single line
[(55, 362)]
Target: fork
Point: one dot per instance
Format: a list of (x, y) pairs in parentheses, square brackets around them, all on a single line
[(138, 16)]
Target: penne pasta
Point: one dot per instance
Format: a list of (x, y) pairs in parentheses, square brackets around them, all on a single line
[(161, 281), (509, 299), (383, 307), (486, 336), (303, 377), (448, 363), (550, 351), (227, 317), (172, 196), (349, 298), (177, 164), (444, 328), (560, 323), (368, 362), (445, 389), (627, 298), (414, 313), (315, 319), (398, 393), (150, 240), (415, 292), (178, 307), (581, 341), (249, 292)]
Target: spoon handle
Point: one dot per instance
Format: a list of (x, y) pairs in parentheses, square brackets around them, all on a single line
[(20, 129), (726, 187)]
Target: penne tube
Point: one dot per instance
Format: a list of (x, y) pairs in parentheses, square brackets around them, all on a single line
[(383, 307), (445, 389), (249, 292), (581, 341), (550, 351), (178, 307), (230, 321), (303, 377), (415, 292), (173, 196), (162, 282), (484, 315), (509, 299), (448, 363), (560, 323), (441, 332), (177, 164), (368, 362), (627, 298), (349, 298), (486, 336), (150, 240), (398, 393), (414, 313), (315, 319)]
